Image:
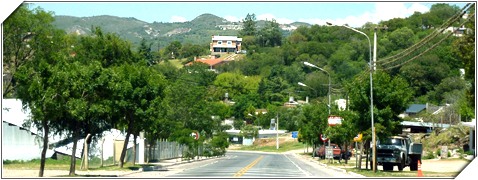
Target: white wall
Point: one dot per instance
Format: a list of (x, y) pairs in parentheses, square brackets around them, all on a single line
[(19, 144)]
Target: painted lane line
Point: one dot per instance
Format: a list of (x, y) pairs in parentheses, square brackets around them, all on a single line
[(245, 169), (303, 171)]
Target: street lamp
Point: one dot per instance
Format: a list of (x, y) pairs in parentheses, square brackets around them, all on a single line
[(371, 92), (302, 84), (314, 66)]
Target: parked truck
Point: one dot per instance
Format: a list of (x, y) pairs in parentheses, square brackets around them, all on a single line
[(398, 151)]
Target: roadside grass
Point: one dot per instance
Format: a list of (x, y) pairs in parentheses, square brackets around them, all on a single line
[(64, 164), (50, 164), (283, 147)]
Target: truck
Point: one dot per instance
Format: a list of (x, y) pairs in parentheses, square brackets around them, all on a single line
[(398, 151)]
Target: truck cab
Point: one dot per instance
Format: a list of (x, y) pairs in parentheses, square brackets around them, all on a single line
[(398, 151)]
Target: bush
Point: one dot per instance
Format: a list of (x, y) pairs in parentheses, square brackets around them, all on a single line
[(429, 155), (438, 152)]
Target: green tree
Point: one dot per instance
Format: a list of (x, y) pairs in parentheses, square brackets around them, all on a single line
[(190, 51), (391, 96), (37, 88), (249, 26), (270, 35), (462, 48), (135, 90), (401, 38), (172, 51), (425, 73), (144, 51), (21, 31)]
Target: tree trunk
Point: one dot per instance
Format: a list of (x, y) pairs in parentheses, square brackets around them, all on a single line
[(125, 145), (123, 152), (73, 157), (45, 147), (346, 152), (134, 148)]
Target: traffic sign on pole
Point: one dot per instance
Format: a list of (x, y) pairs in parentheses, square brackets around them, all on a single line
[(195, 135)]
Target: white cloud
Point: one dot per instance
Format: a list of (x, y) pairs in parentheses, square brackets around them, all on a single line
[(417, 7), (266, 17), (178, 19), (232, 18), (269, 17)]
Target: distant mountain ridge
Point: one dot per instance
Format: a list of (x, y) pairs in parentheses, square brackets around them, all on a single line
[(160, 34)]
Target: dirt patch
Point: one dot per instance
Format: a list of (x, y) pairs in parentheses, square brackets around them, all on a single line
[(272, 141)]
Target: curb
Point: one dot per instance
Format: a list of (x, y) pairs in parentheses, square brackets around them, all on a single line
[(336, 168)]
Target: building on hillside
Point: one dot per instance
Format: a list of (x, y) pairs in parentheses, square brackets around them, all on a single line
[(225, 44), (212, 63)]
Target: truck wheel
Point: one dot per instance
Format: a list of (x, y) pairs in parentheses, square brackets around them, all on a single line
[(413, 166), (401, 165), (387, 167)]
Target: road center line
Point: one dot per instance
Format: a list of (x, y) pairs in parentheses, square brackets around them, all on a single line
[(245, 169)]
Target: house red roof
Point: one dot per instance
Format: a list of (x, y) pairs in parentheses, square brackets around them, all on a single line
[(210, 62)]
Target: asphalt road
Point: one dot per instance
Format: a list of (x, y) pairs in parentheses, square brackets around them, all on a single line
[(248, 164)]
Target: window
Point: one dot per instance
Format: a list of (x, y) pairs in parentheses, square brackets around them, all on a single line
[(229, 42), (219, 42)]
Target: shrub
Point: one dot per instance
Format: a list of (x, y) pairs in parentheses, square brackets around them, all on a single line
[(429, 155)]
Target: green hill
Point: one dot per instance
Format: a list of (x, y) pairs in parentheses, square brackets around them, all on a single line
[(196, 31)]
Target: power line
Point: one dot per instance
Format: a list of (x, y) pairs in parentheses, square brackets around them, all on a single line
[(432, 47), (427, 39)]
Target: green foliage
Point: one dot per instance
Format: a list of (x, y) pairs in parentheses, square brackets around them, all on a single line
[(391, 96), (428, 155), (249, 131), (22, 32), (249, 27), (270, 35)]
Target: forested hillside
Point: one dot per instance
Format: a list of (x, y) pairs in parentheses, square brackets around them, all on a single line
[(86, 84)]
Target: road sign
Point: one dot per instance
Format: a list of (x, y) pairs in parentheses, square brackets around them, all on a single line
[(358, 138), (329, 152), (295, 134), (195, 135), (334, 120), (323, 138)]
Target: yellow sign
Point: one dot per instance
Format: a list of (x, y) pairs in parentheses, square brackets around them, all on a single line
[(358, 138)]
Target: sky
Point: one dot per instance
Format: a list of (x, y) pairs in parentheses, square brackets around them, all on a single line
[(352, 13)]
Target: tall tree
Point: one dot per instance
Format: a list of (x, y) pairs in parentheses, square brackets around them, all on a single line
[(249, 26), (464, 48), (391, 96), (37, 88), (134, 88), (270, 35), (144, 51), (20, 31)]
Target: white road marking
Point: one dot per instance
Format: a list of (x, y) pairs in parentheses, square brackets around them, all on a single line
[(303, 171)]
